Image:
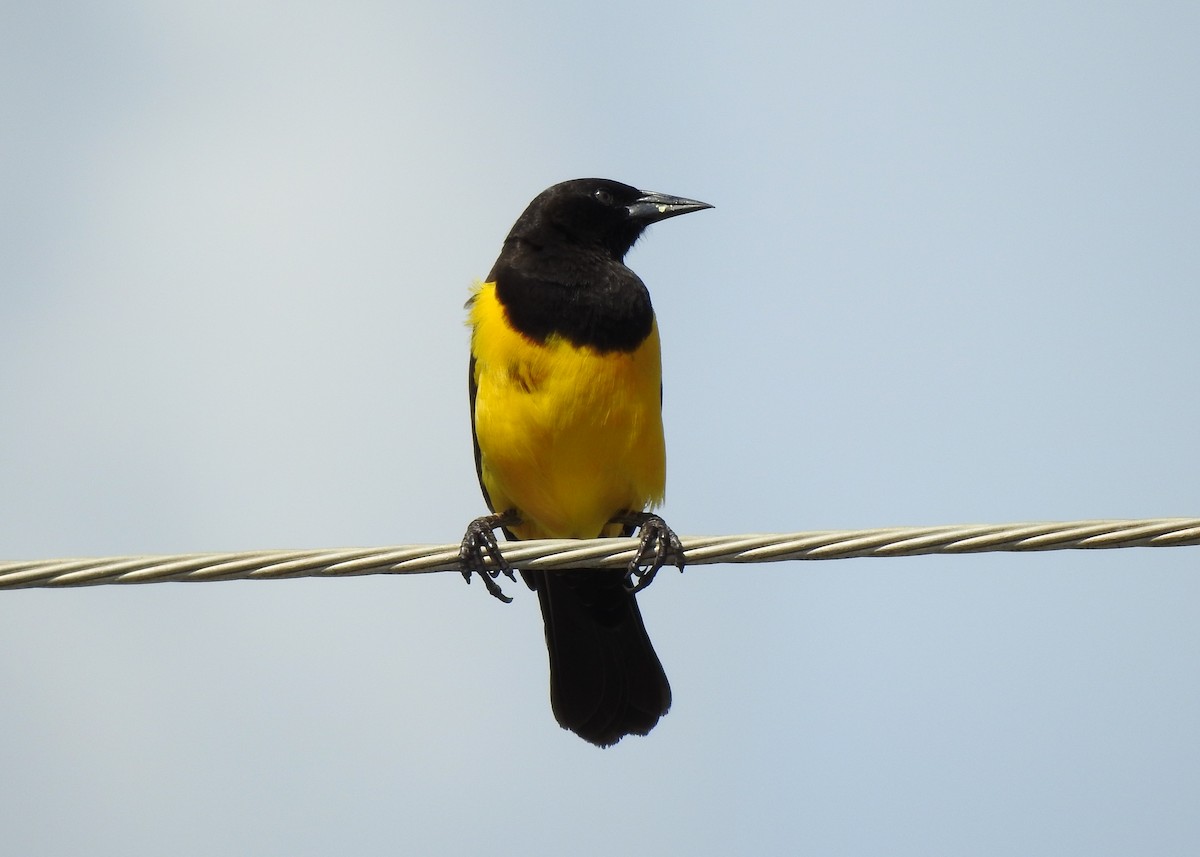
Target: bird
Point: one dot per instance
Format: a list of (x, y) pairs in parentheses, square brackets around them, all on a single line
[(565, 382)]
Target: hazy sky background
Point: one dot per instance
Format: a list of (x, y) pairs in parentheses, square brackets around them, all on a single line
[(952, 276)]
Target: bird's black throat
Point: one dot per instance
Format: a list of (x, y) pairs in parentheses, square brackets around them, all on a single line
[(611, 311)]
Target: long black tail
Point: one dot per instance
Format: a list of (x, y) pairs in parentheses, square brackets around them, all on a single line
[(606, 681)]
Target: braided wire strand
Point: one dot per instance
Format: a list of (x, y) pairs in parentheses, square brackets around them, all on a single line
[(550, 554)]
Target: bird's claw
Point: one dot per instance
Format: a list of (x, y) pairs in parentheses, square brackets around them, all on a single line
[(658, 546), (479, 545)]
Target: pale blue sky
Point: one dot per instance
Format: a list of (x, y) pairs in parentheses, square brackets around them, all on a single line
[(952, 276)]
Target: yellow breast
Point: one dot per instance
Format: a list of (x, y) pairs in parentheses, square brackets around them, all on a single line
[(568, 436)]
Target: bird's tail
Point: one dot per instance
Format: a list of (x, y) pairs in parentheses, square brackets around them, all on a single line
[(606, 681)]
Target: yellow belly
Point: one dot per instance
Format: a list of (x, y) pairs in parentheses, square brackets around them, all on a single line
[(568, 437)]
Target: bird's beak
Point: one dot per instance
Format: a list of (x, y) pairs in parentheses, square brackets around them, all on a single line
[(652, 207)]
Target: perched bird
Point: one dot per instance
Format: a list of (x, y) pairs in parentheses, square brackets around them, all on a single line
[(566, 413)]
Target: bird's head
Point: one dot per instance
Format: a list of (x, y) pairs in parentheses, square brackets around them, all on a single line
[(596, 214)]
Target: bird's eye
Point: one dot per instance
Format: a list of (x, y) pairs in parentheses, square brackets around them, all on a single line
[(603, 197)]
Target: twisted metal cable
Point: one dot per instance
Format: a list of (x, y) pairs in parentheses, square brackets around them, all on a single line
[(606, 553)]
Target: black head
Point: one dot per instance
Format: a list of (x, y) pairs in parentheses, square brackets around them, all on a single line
[(596, 214)]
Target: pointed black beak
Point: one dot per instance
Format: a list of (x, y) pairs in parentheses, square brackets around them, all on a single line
[(652, 207)]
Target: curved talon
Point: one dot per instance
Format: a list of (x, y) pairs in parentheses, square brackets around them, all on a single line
[(659, 546), (479, 545), (643, 580)]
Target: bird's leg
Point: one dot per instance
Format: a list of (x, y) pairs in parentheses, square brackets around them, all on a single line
[(479, 545), (659, 546)]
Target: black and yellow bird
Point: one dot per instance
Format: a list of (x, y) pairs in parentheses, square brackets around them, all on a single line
[(566, 414)]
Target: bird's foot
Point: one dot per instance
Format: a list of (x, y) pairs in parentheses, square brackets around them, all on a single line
[(479, 545), (659, 546)]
